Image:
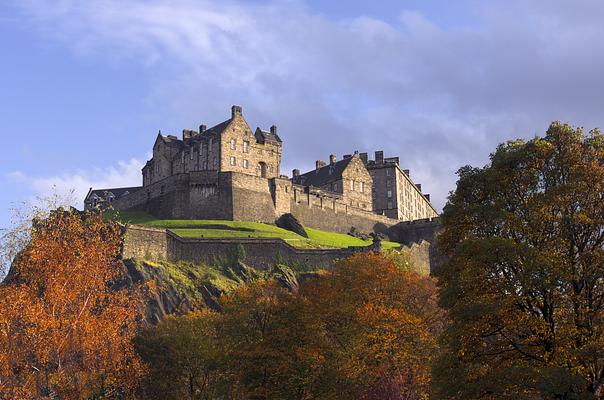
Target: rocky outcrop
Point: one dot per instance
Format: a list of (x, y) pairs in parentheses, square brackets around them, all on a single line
[(290, 222)]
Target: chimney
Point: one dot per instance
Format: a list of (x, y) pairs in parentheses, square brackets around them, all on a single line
[(186, 134), (274, 130), (419, 187), (407, 172), (364, 158), (319, 164), (427, 196), (296, 173), (332, 159), (236, 111), (202, 128), (379, 157)]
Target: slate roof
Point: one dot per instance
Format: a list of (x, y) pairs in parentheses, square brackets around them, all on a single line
[(263, 136), (323, 175), (117, 192)]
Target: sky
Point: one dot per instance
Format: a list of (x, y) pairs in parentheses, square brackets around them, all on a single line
[(85, 86)]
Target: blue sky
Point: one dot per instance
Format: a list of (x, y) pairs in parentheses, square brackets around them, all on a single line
[(85, 86)]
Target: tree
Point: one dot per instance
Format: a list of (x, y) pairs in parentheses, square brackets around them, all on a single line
[(66, 316), (182, 356), (524, 286), (16, 238), (376, 327), (366, 330)]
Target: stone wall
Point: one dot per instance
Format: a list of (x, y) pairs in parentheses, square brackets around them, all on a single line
[(145, 243), (421, 238), (141, 242), (252, 199)]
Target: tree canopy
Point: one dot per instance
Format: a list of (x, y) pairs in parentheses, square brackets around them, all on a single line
[(524, 285), (66, 318)]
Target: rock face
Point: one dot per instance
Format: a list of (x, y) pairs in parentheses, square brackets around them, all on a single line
[(290, 222), (179, 288), (286, 277)]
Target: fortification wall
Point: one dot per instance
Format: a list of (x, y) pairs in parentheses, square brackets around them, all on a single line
[(141, 242), (251, 198), (195, 195), (331, 214), (420, 237), (145, 243)]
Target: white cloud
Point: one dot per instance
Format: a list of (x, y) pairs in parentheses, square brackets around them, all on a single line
[(124, 174), (438, 97)]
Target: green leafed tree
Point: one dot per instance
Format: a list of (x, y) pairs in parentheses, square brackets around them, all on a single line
[(524, 285)]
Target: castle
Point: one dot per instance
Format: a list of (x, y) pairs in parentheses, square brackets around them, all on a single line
[(230, 172)]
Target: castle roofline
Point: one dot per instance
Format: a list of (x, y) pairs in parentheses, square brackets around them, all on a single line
[(323, 175)]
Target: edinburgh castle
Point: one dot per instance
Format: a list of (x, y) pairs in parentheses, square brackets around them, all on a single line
[(230, 172)]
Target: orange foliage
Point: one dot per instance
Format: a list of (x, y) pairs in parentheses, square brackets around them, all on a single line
[(65, 323)]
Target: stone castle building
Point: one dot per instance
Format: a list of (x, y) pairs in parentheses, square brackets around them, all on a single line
[(231, 172)]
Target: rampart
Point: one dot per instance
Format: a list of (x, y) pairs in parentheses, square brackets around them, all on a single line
[(241, 197), (148, 243), (261, 253), (420, 236)]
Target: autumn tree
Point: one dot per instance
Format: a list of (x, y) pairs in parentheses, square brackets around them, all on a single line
[(524, 286), (66, 316), (376, 327), (182, 356), (366, 330)]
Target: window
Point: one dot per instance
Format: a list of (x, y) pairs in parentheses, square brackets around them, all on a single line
[(246, 146), (215, 162), (245, 163), (233, 161), (233, 144), (191, 154), (389, 195), (362, 187), (387, 172), (389, 204), (388, 183), (352, 185)]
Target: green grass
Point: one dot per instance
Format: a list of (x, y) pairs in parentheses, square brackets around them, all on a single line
[(240, 229)]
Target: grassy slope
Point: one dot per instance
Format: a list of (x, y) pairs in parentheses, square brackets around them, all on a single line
[(220, 228)]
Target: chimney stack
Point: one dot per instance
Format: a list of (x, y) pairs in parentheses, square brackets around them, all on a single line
[(364, 158), (236, 111), (379, 157), (186, 134), (202, 128), (296, 173), (319, 164), (332, 159), (274, 130)]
